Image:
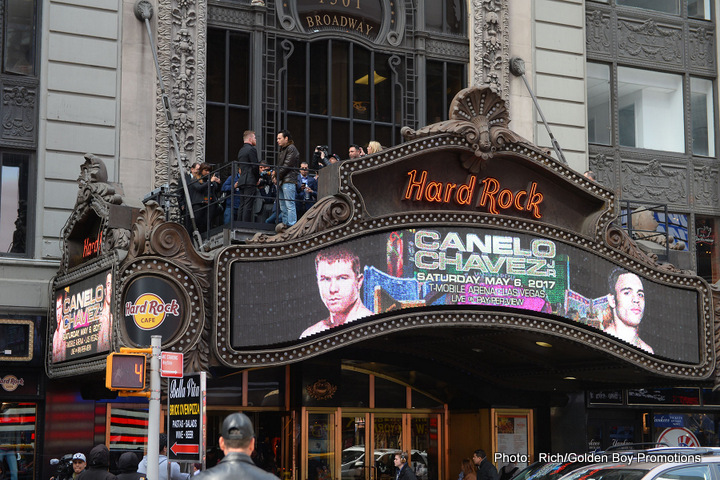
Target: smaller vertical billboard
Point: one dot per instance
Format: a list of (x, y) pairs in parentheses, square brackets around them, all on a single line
[(151, 306), (83, 318), (185, 417)]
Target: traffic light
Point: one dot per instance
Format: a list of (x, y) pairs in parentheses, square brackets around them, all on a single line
[(125, 371)]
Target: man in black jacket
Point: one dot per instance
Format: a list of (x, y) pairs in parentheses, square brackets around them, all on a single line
[(237, 441), (288, 161), (248, 177), (485, 469)]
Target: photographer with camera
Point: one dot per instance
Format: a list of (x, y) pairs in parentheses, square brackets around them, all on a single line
[(320, 158)]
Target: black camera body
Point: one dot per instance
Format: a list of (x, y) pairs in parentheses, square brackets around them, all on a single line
[(64, 467)]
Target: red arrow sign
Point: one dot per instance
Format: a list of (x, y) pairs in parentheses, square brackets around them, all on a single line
[(186, 449), (171, 365)]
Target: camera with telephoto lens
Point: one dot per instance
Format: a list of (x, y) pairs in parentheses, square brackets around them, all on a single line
[(322, 148), (63, 467)]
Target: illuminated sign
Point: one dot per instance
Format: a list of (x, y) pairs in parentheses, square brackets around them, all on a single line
[(491, 197), (152, 306), (125, 371), (92, 248), (83, 318), (149, 310), (352, 16), (84, 242), (470, 267)]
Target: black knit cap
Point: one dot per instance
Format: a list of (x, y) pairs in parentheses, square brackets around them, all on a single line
[(237, 426)]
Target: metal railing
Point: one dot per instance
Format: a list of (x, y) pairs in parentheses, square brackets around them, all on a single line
[(217, 205)]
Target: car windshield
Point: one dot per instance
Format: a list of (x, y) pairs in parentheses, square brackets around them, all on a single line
[(611, 472), (548, 470), (351, 455)]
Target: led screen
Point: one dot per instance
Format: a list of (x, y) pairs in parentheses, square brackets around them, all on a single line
[(83, 318), (306, 296)]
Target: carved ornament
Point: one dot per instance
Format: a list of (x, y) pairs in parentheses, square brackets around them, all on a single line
[(321, 390), (479, 115), (328, 212), (491, 46)]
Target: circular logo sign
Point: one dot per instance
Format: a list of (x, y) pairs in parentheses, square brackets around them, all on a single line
[(678, 437), (152, 306), (11, 383), (149, 310)]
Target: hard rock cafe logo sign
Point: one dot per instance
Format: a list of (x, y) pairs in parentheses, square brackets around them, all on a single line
[(10, 383), (321, 390), (149, 310)]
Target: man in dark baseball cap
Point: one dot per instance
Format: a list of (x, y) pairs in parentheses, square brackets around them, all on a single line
[(237, 441)]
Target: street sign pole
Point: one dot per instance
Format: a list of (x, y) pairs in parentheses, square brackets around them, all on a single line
[(153, 452)]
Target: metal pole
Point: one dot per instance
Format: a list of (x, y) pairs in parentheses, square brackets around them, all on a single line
[(517, 68), (153, 454), (144, 12)]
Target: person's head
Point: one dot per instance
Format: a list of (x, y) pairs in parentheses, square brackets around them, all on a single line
[(339, 279), (590, 174), (400, 459), (374, 147), (205, 169), (284, 138), (237, 434), (162, 443), (249, 137), (478, 456), (354, 151), (195, 168), (334, 158), (626, 298), (264, 167), (99, 457), (79, 462), (304, 168), (197, 466), (467, 466)]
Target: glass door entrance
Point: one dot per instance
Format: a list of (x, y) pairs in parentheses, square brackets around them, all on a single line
[(367, 443)]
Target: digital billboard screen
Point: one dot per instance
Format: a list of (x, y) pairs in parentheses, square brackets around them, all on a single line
[(285, 300), (83, 318)]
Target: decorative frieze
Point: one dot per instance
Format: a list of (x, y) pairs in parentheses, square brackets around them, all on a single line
[(654, 182), (598, 35), (491, 46), (181, 55), (19, 112), (706, 187), (650, 41)]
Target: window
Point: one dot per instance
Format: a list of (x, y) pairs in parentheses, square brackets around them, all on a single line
[(13, 202), (444, 80), (598, 104), (691, 472), (699, 9), (445, 16), (18, 439), (702, 115), (651, 110), (19, 37), (665, 6), (339, 93), (228, 94)]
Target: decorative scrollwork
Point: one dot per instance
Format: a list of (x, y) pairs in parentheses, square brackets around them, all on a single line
[(326, 213), (169, 238), (150, 216), (619, 239), (480, 116)]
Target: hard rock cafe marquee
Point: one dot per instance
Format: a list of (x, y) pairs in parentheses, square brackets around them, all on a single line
[(465, 224)]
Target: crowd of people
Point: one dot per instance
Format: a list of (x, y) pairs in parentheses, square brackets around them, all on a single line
[(255, 191)]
